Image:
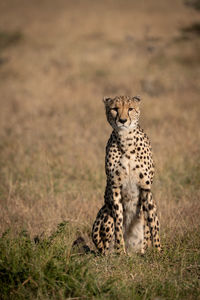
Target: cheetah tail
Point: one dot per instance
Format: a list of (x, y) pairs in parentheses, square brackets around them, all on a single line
[(79, 246)]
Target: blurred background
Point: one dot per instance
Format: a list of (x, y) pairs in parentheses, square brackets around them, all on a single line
[(57, 61)]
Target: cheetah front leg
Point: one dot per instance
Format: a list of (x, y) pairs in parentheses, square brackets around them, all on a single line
[(151, 222), (117, 212)]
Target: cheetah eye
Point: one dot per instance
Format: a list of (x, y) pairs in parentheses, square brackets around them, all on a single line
[(130, 109), (115, 109)]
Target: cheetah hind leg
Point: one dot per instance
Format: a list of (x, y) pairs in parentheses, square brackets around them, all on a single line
[(147, 237), (103, 230), (151, 222)]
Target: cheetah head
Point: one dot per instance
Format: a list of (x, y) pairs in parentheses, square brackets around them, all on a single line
[(122, 112)]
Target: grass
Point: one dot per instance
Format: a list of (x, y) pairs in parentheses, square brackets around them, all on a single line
[(8, 39), (53, 133), (47, 269)]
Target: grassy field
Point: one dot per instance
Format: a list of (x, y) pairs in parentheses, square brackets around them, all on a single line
[(57, 61)]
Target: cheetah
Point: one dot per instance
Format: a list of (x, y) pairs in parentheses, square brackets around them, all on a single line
[(128, 217)]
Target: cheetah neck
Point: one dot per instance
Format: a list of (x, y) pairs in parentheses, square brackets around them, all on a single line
[(126, 138)]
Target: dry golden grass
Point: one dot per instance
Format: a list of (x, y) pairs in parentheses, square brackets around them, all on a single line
[(52, 123)]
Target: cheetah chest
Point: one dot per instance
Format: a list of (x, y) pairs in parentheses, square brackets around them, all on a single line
[(132, 221)]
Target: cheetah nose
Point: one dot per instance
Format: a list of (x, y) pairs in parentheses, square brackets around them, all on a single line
[(122, 121)]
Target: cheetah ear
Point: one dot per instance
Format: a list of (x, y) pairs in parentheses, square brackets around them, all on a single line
[(137, 98), (106, 100)]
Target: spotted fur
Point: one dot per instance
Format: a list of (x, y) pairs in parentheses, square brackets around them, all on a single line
[(129, 215)]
